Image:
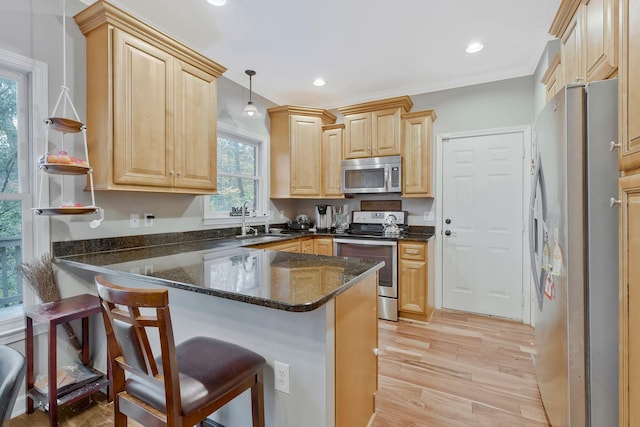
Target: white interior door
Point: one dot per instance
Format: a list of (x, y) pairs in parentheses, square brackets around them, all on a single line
[(482, 224)]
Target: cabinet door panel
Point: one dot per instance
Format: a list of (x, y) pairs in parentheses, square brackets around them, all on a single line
[(323, 246), (413, 295), (305, 155), (143, 134), (357, 135), (195, 112), (629, 98), (331, 159), (571, 50), (386, 132), (417, 157), (630, 301), (601, 38)]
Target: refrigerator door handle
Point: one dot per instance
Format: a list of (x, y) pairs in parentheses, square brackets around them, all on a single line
[(537, 182)]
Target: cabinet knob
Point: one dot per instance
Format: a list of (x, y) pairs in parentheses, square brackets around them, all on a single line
[(376, 352), (171, 173), (179, 173), (613, 202), (613, 146)]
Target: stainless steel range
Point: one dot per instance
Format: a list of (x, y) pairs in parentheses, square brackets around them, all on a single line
[(373, 235)]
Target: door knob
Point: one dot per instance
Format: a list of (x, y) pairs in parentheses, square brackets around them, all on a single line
[(447, 221), (447, 232)]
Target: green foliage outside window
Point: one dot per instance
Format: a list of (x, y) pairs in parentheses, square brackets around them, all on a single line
[(10, 211), (237, 174)]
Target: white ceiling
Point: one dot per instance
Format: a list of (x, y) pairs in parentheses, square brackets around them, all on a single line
[(364, 49)]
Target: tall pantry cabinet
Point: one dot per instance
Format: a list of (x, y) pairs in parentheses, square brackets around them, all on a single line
[(629, 162)]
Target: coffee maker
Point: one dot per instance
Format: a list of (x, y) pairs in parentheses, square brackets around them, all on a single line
[(324, 218)]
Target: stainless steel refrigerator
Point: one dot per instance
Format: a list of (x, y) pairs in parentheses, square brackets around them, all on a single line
[(573, 240)]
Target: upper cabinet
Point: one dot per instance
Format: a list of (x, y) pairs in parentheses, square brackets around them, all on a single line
[(374, 128), (151, 107), (629, 90), (552, 79), (332, 136), (571, 54), (588, 31), (600, 34), (296, 151), (417, 153)]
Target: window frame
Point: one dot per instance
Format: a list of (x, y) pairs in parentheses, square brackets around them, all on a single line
[(35, 231), (262, 172)]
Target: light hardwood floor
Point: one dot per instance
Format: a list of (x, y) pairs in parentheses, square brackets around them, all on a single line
[(459, 370)]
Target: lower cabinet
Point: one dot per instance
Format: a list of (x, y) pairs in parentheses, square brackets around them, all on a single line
[(629, 301), (415, 290), (323, 246), (306, 246), (356, 340)]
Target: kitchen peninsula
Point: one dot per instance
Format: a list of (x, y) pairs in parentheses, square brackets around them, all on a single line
[(316, 314)]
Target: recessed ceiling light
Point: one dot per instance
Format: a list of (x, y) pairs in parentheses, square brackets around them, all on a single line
[(319, 82), (217, 2), (474, 47)]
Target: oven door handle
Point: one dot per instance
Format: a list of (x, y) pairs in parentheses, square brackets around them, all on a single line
[(366, 242)]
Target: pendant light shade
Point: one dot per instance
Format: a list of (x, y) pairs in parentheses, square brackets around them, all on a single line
[(251, 110)]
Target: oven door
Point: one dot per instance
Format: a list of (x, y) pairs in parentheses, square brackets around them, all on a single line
[(379, 250)]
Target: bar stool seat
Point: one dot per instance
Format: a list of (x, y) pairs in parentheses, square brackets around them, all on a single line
[(184, 383)]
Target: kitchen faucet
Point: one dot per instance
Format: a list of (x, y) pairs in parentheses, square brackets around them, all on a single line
[(243, 230)]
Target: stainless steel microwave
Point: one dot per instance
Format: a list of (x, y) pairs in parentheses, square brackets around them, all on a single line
[(372, 175)]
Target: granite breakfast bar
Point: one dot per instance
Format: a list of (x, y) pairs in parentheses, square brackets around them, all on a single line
[(315, 314)]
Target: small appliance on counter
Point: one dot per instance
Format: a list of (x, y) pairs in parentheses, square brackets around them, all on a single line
[(324, 218), (300, 223)]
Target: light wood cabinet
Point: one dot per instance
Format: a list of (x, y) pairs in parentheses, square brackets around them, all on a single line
[(571, 50), (629, 324), (374, 128), (600, 34), (589, 34), (323, 246), (151, 107), (552, 77), (415, 291), (417, 153), (629, 89), (332, 161), (356, 341), (306, 246), (296, 151)]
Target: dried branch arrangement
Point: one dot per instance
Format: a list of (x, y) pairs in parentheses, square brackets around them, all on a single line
[(42, 280)]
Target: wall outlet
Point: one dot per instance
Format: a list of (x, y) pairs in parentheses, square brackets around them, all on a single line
[(429, 215), (281, 376), (148, 219), (134, 220)]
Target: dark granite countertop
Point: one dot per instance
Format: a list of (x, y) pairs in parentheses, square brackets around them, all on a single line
[(224, 268)]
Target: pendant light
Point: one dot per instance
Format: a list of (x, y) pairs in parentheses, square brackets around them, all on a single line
[(251, 110)]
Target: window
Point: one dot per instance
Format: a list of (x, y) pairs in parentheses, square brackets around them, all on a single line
[(22, 93), (241, 172)]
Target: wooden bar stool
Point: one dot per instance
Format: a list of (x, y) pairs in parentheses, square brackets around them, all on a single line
[(183, 384)]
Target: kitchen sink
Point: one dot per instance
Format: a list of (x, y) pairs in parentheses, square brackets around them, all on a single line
[(251, 239)]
